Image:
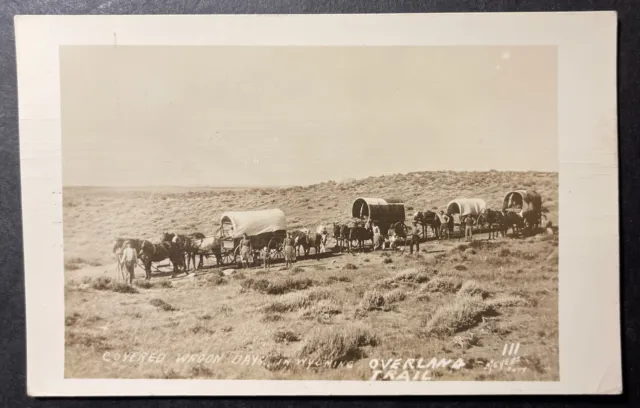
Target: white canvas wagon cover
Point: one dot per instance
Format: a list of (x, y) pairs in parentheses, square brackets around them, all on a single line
[(378, 209), (466, 206), (254, 222), (524, 200)]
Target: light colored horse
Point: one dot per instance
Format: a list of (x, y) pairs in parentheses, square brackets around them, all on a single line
[(324, 232)]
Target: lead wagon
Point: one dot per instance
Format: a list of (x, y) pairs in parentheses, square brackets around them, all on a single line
[(527, 204), (265, 228)]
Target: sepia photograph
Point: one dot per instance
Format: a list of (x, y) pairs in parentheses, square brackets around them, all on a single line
[(322, 212), (310, 212)]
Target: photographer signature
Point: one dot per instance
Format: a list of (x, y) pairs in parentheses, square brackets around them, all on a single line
[(509, 363)]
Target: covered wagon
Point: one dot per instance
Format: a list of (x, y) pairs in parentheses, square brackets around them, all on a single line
[(466, 206), (460, 208), (263, 227), (526, 203), (380, 210), (386, 213)]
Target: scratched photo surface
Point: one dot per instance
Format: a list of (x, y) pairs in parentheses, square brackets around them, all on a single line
[(400, 206)]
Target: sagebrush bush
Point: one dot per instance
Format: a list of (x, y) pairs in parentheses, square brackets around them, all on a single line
[(473, 288), (407, 276), (333, 279), (285, 336), (277, 287), (442, 284), (371, 300), (144, 284), (216, 280), (462, 313), (161, 304), (122, 287), (294, 301), (337, 343), (507, 301)]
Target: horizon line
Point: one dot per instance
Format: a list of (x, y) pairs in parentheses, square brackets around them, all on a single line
[(279, 186)]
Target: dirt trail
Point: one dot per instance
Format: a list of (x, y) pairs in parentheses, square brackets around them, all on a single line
[(164, 269)]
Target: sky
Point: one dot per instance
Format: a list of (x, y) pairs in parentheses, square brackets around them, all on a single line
[(268, 116)]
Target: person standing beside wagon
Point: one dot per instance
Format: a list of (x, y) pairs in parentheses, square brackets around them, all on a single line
[(245, 251), (129, 259), (289, 251), (377, 238), (468, 228), (413, 239), (444, 224), (264, 254)]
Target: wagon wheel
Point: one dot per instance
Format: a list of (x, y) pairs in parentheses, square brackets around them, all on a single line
[(277, 252), (229, 257), (255, 257)]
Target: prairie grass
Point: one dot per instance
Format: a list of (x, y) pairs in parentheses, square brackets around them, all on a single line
[(342, 307)]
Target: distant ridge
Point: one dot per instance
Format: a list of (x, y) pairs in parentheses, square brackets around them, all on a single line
[(349, 180)]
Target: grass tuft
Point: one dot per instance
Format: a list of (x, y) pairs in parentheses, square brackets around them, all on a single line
[(442, 284), (463, 313), (337, 343), (285, 336), (161, 304), (473, 288)]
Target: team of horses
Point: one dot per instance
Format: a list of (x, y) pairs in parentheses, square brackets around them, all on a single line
[(496, 222), (182, 250), (360, 232)]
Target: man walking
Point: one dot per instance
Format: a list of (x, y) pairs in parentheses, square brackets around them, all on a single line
[(129, 259)]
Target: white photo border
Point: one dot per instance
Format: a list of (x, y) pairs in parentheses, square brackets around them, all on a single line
[(589, 301)]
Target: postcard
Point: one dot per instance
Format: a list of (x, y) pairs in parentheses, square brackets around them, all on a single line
[(401, 204)]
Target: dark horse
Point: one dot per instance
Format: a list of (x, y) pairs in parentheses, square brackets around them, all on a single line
[(515, 221), (341, 234), (360, 233), (150, 253), (446, 230), (428, 219), (192, 245), (298, 236), (495, 220), (307, 241)]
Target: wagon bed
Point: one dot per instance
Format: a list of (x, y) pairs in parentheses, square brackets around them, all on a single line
[(263, 228)]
